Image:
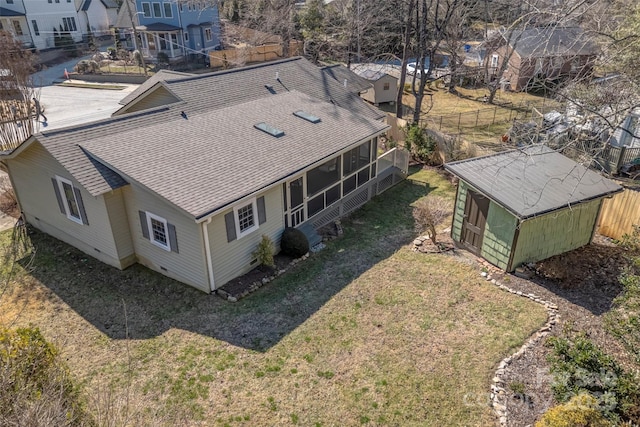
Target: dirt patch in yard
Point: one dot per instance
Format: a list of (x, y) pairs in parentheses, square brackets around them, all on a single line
[(583, 283)]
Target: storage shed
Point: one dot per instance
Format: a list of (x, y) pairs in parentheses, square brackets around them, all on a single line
[(525, 205), (384, 86)]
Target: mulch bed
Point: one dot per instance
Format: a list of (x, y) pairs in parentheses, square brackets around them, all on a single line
[(247, 283), (583, 284)]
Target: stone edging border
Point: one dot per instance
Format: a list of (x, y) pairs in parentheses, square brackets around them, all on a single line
[(498, 392)]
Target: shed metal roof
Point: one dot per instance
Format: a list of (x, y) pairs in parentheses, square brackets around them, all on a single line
[(533, 181)]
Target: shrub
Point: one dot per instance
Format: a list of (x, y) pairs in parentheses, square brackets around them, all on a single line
[(429, 212), (162, 58), (580, 411), (264, 252), (418, 142), (35, 386), (579, 367), (294, 243)]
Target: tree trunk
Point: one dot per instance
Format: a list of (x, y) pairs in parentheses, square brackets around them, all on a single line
[(405, 60)]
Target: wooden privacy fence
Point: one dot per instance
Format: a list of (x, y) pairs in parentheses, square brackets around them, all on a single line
[(619, 214), (237, 57)]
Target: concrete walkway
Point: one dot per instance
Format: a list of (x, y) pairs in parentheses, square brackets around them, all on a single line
[(55, 72)]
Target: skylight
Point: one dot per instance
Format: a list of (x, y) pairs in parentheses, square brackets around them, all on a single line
[(307, 116), (269, 129)]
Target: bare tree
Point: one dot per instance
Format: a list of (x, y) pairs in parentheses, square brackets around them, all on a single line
[(17, 111)]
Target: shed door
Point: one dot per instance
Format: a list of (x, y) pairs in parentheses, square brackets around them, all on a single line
[(475, 218)]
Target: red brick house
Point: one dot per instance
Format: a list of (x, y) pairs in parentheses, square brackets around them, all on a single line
[(540, 54)]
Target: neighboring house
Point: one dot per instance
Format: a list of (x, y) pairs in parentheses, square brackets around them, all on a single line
[(189, 188), (177, 29), (99, 16), (14, 20), (350, 80), (384, 86), (45, 19), (540, 54), (526, 205)]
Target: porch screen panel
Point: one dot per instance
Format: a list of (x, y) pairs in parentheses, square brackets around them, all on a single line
[(315, 205), (323, 176)]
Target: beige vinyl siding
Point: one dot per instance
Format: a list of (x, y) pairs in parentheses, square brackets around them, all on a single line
[(31, 174), (232, 259), (158, 97), (117, 213), (555, 233), (187, 266)]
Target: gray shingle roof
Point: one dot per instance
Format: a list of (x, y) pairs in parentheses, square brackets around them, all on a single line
[(532, 181), (552, 41), (239, 85), (63, 145), (215, 157), (340, 73), (160, 76)]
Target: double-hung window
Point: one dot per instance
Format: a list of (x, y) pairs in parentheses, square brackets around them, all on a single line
[(157, 10), (158, 231), (245, 218), (146, 10), (69, 200), (207, 34), (168, 12)]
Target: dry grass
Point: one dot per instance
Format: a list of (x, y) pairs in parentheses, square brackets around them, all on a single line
[(465, 114), (366, 332)]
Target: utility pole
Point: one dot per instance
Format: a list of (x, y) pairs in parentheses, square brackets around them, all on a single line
[(135, 38)]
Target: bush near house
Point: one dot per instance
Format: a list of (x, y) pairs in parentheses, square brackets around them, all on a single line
[(35, 386), (294, 243)]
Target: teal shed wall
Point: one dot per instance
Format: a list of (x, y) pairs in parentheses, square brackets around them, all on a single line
[(497, 239), (534, 239), (554, 233), (458, 211)]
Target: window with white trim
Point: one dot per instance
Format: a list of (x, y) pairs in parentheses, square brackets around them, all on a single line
[(34, 24), (168, 12), (158, 231), (246, 220), (69, 200), (207, 34), (157, 10), (146, 10)]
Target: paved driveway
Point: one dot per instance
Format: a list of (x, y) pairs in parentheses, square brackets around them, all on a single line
[(67, 106)]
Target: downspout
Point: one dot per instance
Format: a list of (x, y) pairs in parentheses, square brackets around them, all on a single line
[(207, 253)]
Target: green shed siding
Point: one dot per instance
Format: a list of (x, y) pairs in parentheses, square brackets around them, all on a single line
[(458, 212), (555, 233), (498, 235), (232, 259)]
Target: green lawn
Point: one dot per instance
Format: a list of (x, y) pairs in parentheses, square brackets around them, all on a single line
[(366, 332)]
